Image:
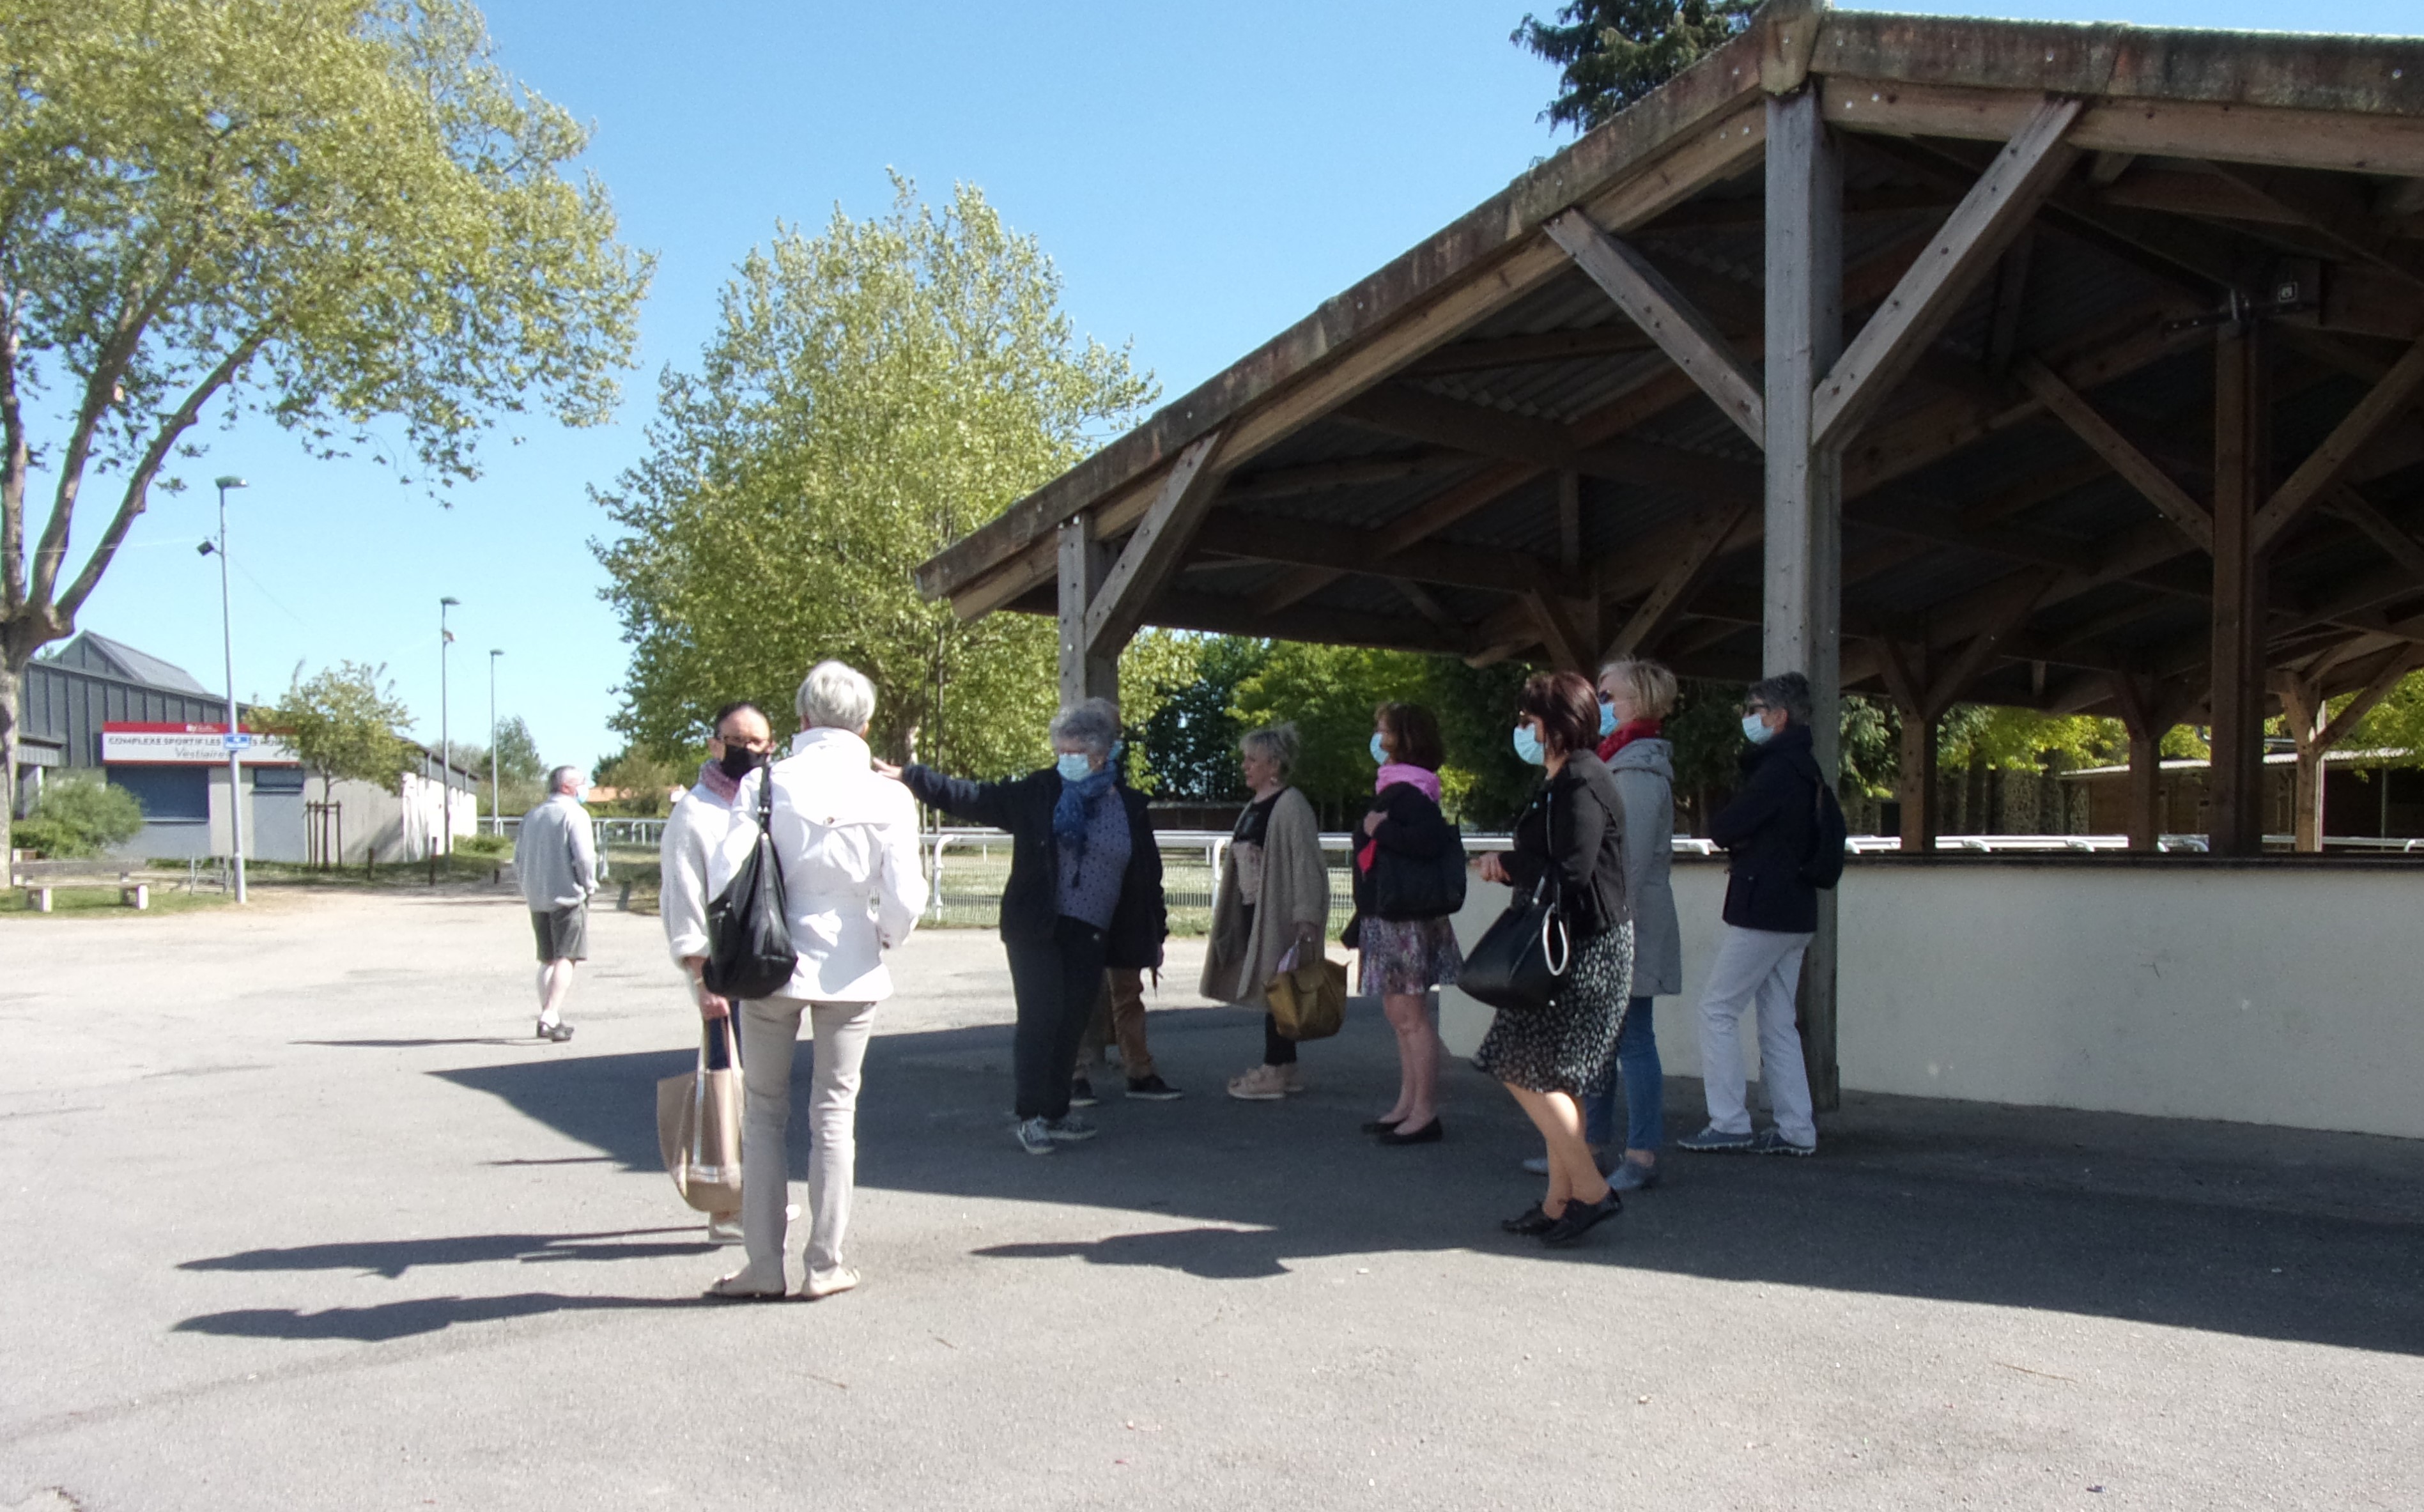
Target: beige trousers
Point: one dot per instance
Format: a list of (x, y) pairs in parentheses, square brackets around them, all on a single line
[(1119, 1015), (769, 1030)]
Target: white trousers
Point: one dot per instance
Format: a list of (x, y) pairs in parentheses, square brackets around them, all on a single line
[(1755, 968), (770, 1030)]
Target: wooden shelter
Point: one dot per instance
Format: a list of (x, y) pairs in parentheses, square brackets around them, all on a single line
[(2072, 367)]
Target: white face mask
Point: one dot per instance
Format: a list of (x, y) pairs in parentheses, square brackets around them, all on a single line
[(1755, 729)]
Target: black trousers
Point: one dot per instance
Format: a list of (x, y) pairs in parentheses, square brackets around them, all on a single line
[(1055, 983)]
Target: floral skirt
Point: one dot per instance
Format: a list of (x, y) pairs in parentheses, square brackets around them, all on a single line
[(1408, 957), (1570, 1045)]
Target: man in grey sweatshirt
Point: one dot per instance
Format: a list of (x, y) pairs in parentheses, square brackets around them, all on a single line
[(557, 861)]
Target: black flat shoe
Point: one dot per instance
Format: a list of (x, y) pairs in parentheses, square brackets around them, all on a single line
[(1581, 1218), (1379, 1127), (1429, 1134), (1532, 1220)]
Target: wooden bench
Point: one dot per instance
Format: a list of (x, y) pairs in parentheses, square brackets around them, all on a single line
[(39, 879)]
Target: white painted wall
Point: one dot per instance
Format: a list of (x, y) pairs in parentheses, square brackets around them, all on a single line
[(2281, 994)]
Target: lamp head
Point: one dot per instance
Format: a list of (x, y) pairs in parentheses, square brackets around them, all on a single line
[(232, 481), (448, 603)]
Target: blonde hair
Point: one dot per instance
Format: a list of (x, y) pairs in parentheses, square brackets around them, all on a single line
[(1653, 686)]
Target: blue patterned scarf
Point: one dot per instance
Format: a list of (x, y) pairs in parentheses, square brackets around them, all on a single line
[(1069, 814)]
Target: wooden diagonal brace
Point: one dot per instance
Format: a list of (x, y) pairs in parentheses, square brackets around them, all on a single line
[(1155, 549), (1565, 643), (1667, 317), (1654, 613), (2396, 544), (2066, 404), (2387, 401), (1995, 210)]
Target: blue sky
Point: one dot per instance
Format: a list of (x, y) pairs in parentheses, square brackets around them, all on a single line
[(1202, 175)]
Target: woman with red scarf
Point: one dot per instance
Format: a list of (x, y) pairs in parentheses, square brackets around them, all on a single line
[(1409, 883)]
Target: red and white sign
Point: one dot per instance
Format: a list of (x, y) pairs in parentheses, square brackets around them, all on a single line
[(187, 745)]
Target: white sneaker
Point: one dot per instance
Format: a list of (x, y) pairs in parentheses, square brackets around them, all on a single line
[(821, 1285)]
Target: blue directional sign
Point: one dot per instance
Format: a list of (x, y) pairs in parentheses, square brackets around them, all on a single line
[(236, 742)]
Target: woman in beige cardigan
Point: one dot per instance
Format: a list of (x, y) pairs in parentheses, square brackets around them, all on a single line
[(1274, 894)]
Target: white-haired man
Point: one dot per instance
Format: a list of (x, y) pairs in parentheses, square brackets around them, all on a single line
[(555, 859), (740, 741), (847, 839)]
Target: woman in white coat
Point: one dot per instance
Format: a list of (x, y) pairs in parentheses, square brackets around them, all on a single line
[(848, 841)]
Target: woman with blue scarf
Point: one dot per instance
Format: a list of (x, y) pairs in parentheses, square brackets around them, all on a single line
[(1084, 892)]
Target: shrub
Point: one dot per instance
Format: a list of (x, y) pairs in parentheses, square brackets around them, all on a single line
[(81, 817)]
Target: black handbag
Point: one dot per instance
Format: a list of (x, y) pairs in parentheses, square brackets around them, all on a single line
[(749, 951), (1406, 887), (1520, 963)]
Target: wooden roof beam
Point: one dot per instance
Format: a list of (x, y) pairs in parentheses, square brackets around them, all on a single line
[(2329, 462), (1155, 549), (2065, 405), (1353, 472), (1347, 550), (1690, 339), (1990, 217)]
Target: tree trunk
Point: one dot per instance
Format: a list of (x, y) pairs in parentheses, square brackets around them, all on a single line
[(11, 678)]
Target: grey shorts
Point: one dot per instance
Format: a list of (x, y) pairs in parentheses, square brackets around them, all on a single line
[(563, 932)]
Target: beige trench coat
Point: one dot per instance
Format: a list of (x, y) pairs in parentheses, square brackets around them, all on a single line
[(1239, 961)]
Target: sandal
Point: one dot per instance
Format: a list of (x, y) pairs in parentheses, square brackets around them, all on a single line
[(727, 1289)]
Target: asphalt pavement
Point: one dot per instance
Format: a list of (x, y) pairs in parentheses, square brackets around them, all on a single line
[(299, 1214)]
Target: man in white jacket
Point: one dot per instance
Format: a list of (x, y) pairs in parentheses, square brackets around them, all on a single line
[(740, 741), (847, 839)]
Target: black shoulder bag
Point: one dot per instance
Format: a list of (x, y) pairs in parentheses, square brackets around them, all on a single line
[(749, 951), (1521, 963)]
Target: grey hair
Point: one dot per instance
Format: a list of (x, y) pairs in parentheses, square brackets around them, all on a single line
[(1787, 691), (1279, 743), (559, 779), (1094, 724), (835, 696)]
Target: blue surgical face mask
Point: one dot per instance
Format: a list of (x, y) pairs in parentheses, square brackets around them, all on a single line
[(1527, 746), (1073, 766), (1380, 752), (1606, 719), (1755, 729)]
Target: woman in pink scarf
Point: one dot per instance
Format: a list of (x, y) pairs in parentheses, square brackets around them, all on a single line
[(1409, 883)]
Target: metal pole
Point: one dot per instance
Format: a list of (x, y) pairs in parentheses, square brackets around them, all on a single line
[(235, 749), (445, 735), (496, 819)]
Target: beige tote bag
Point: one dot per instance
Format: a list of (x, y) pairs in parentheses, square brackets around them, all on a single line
[(698, 1130)]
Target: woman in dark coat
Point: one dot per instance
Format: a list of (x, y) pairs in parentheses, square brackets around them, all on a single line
[(1551, 1057), (1408, 872), (1084, 891)]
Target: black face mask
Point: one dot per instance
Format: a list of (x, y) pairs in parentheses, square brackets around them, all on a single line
[(738, 761)]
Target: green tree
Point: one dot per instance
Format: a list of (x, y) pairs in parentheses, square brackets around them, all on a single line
[(1190, 737), (347, 726), (871, 393), (81, 816), (1613, 51), (519, 767), (334, 213)]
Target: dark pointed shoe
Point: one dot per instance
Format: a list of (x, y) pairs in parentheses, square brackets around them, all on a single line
[(1429, 1134), (1581, 1218), (1534, 1220)]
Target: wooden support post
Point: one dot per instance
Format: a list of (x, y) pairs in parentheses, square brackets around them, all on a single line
[(1916, 784), (1086, 671), (2139, 718), (2235, 790), (2304, 709), (1803, 610)]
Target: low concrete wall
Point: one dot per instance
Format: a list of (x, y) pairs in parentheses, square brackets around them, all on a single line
[(2286, 992)]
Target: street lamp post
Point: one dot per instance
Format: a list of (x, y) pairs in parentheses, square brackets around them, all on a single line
[(496, 815), (234, 731), (445, 735)]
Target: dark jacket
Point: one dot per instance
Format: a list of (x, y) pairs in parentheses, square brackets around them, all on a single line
[(1575, 823), (1407, 855), (1769, 831), (1031, 901)]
